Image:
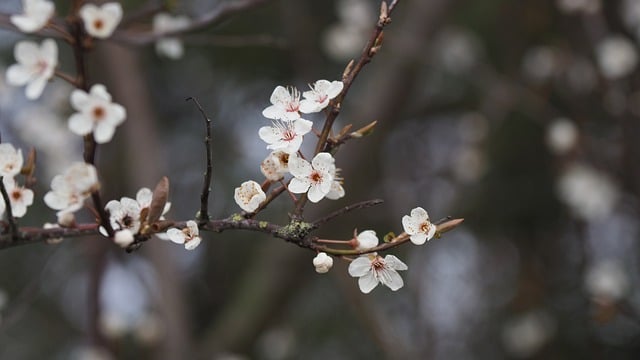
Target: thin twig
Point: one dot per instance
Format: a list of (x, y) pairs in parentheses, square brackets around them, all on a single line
[(203, 215), (13, 228), (361, 205)]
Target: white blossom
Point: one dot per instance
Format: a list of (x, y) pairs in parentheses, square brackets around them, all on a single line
[(69, 190), (170, 47), (285, 135), (316, 178), (189, 236), (589, 193), (562, 135), (96, 113), (372, 269), (10, 160), (285, 104), (101, 21), (36, 14), (322, 91), (524, 335), (418, 226), (322, 262), (36, 65), (124, 214), (366, 240), (249, 196), (275, 165), (617, 57), (607, 280), (19, 196)]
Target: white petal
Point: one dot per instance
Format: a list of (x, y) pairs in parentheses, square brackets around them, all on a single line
[(280, 96), (274, 112), (193, 243), (391, 279), (323, 162), (99, 91), (395, 263), (411, 226), (26, 23), (49, 51), (367, 283), (144, 197), (171, 48), (80, 124), (269, 134), (309, 106), (360, 266), (298, 186), (35, 87), (334, 89), (193, 228), (79, 99), (103, 132), (419, 214), (316, 193), (367, 240), (299, 167), (18, 75), (418, 239), (176, 235), (302, 126), (27, 52)]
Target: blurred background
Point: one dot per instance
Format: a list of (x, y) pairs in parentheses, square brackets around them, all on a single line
[(520, 116)]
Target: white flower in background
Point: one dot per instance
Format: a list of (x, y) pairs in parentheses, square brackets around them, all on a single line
[(101, 21), (540, 63), (589, 193), (36, 65), (607, 280), (36, 14), (123, 238), (617, 57), (69, 190), (249, 196), (170, 47), (458, 50), (337, 191), (322, 91), (285, 104), (275, 165), (323, 263), (124, 214), (285, 135), (96, 113), (10, 160), (418, 226), (523, 336), (316, 178), (343, 40), (575, 6), (366, 240), (372, 269), (19, 196), (189, 236), (562, 135)]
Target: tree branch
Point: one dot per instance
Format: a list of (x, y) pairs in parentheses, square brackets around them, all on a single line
[(203, 215)]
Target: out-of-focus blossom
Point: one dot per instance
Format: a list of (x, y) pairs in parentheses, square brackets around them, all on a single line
[(172, 46), (607, 280), (285, 104), (69, 190), (540, 64), (316, 178), (372, 269), (10, 160), (96, 113), (344, 40), (322, 91), (524, 335), (617, 57), (36, 65), (189, 236), (576, 6), (322, 262), (101, 21), (275, 165), (590, 194), (418, 226), (19, 197), (562, 135), (285, 135), (458, 50), (249, 196), (36, 14)]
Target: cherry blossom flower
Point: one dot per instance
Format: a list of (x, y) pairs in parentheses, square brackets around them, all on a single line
[(366, 240), (322, 262), (617, 57), (418, 226), (607, 280), (36, 15), (69, 190), (124, 214), (101, 21), (285, 135), (562, 135), (19, 196), (36, 65), (316, 178), (319, 96), (285, 104), (249, 196), (275, 165), (10, 160), (96, 113), (189, 236), (170, 47), (372, 269), (144, 196)]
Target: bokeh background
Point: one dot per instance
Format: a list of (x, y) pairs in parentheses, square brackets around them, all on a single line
[(520, 116)]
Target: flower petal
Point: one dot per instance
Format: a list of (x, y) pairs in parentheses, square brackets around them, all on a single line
[(360, 266), (368, 282)]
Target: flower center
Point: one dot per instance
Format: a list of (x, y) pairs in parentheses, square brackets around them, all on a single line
[(16, 195), (378, 264), (284, 158), (98, 113), (288, 135), (98, 24), (425, 227), (316, 177), (127, 221)]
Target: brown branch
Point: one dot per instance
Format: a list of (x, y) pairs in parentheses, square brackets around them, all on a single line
[(203, 214), (215, 16), (13, 228)]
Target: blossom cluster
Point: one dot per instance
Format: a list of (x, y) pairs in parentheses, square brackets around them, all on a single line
[(20, 198)]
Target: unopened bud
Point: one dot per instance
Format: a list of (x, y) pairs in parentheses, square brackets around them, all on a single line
[(66, 219), (447, 225), (123, 238), (366, 130)]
